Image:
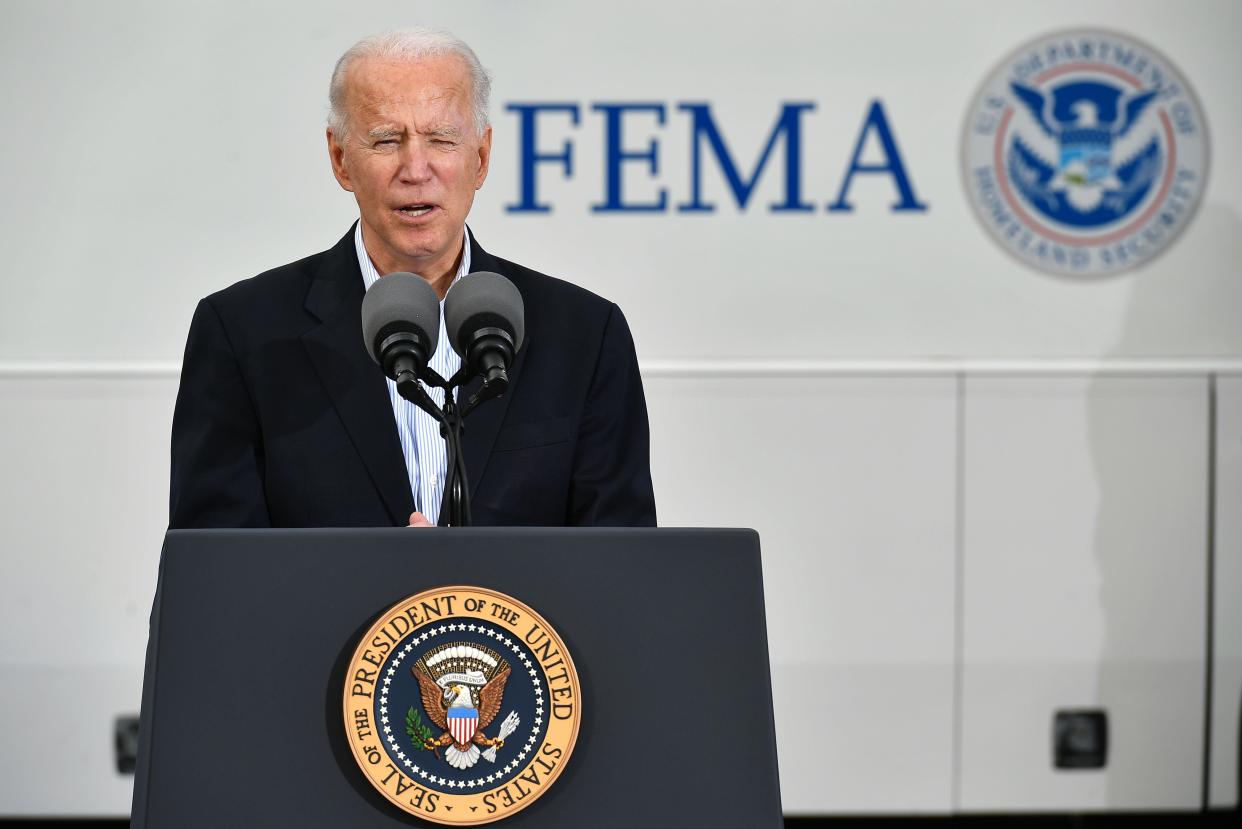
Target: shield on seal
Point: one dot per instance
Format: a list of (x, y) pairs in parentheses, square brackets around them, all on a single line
[(462, 723), (1092, 160)]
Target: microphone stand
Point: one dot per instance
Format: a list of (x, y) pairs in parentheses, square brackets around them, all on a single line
[(456, 482)]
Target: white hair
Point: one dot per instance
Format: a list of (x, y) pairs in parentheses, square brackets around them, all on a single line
[(410, 45)]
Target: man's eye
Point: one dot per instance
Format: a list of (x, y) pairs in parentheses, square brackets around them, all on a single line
[(386, 141)]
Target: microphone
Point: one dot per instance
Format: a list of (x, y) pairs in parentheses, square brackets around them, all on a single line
[(400, 327), (486, 324)]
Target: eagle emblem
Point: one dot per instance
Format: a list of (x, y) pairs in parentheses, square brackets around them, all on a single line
[(425, 696), (462, 687), (1089, 154), (1085, 152)]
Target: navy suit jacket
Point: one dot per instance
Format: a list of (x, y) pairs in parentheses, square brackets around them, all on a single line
[(283, 419)]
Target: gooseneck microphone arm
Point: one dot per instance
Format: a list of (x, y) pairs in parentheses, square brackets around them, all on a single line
[(491, 352), (404, 358)]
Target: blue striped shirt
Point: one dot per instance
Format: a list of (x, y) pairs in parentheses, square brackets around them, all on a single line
[(426, 459)]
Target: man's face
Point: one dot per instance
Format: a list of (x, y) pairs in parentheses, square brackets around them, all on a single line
[(412, 158)]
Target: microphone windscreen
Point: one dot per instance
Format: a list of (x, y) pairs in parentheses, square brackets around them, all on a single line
[(399, 303), (483, 300)]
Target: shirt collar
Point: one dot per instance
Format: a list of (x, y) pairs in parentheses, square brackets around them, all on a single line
[(370, 275)]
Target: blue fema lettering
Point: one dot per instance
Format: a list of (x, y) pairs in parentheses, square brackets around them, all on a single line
[(788, 124), (877, 121), (615, 155), (705, 133), (530, 155)]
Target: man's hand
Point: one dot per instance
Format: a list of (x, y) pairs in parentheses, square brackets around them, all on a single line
[(417, 519)]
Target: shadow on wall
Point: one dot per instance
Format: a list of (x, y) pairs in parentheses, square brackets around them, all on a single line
[(1152, 578)]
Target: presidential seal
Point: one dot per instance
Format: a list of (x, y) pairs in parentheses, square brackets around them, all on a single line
[(461, 705), (1085, 153)]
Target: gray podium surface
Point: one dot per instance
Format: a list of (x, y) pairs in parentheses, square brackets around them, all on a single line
[(242, 719)]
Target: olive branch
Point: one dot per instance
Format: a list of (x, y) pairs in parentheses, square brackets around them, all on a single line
[(417, 729)]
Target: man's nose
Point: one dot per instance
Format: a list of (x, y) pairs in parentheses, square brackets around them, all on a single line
[(415, 163)]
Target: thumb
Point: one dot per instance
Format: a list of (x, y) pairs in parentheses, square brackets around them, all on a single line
[(417, 519)]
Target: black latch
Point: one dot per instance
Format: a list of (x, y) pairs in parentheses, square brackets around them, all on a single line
[(125, 740), (1080, 739)]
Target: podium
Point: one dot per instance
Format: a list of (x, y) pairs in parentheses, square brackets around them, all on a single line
[(253, 631)]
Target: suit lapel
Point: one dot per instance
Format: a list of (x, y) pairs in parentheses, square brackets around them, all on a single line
[(352, 379), (483, 424)]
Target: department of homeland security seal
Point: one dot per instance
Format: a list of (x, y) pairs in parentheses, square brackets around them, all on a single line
[(461, 705), (1085, 153)]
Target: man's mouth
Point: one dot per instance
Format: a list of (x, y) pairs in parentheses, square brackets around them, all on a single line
[(415, 209)]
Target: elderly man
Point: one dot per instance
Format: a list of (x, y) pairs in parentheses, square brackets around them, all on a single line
[(282, 419)]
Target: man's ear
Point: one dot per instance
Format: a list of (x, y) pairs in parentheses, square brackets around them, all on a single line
[(336, 154), (485, 158)]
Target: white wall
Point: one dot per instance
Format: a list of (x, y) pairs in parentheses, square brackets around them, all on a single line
[(1227, 596), (952, 557), (856, 519), (156, 152), (198, 128), (83, 507), (1084, 586)]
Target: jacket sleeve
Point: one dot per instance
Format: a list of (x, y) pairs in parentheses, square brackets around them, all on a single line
[(611, 481), (217, 451)]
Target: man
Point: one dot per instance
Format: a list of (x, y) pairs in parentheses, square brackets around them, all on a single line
[(283, 419)]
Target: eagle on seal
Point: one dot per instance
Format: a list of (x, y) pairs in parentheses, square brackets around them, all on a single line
[(1093, 155), (456, 702)]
